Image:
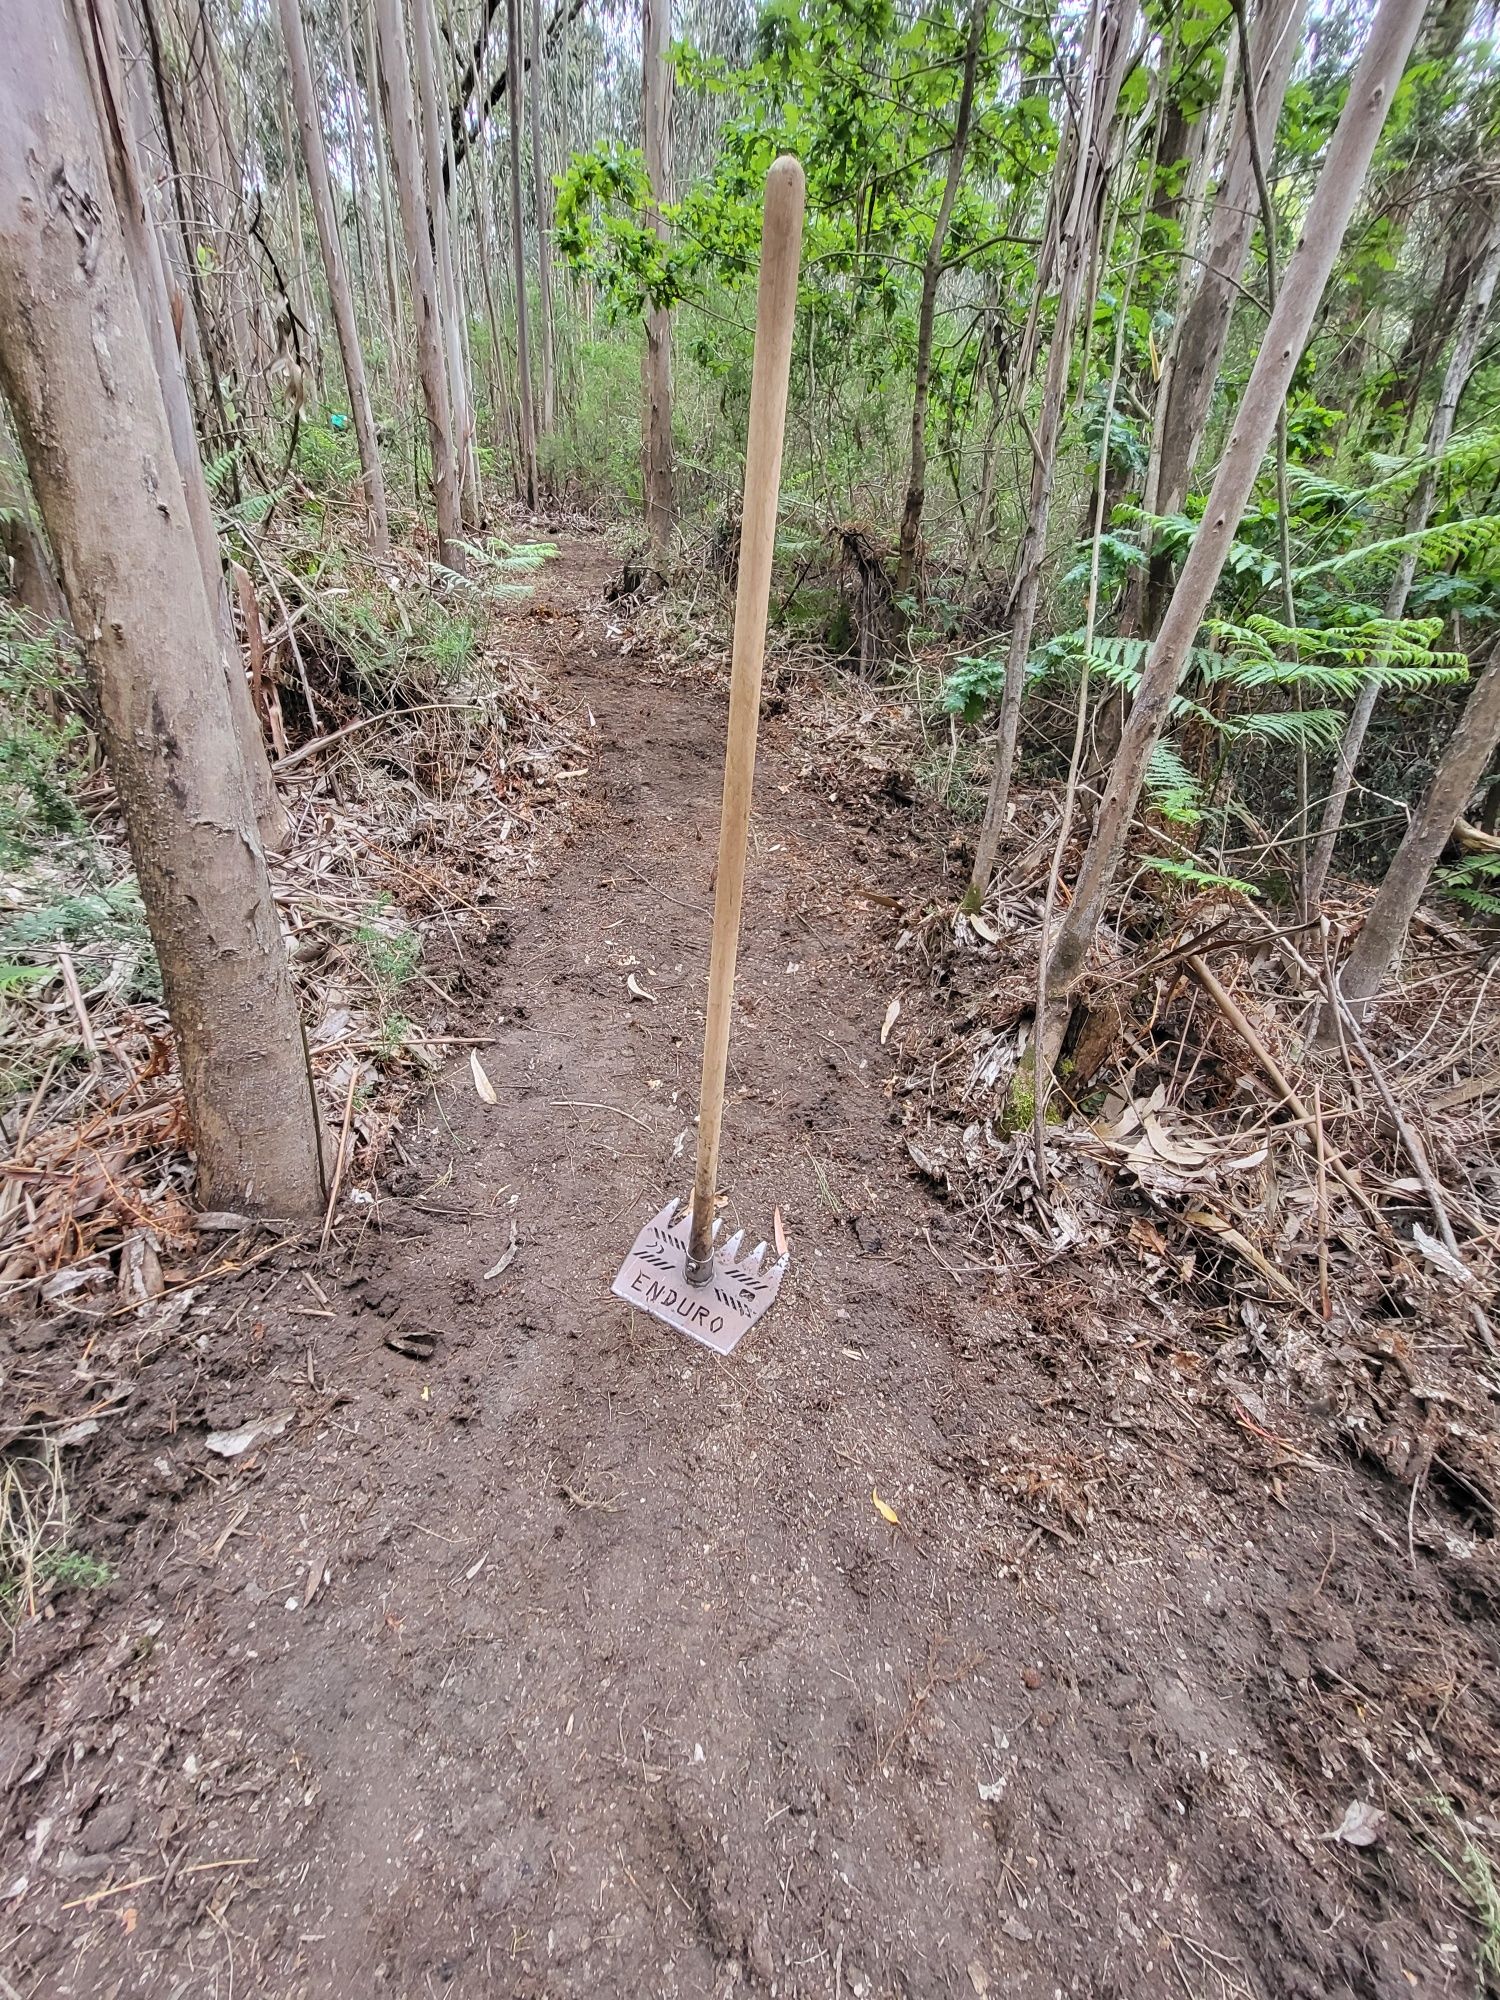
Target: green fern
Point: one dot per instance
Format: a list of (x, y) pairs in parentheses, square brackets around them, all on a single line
[(1474, 882), (1198, 878), (111, 919), (1313, 728), (1254, 651), (1171, 787), (219, 472), (253, 509), (1437, 547), (971, 684), (1473, 457)]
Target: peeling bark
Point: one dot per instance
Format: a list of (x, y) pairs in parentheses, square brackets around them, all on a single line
[(77, 367)]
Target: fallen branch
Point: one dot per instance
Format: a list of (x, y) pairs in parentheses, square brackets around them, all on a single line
[(1235, 1015), (1417, 1153), (290, 763)]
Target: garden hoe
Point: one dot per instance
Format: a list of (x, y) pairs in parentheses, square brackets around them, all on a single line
[(674, 1271)]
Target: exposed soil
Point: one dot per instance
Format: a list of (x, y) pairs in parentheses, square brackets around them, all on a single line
[(572, 1660)]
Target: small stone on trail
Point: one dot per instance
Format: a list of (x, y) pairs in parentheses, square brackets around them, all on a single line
[(108, 1828)]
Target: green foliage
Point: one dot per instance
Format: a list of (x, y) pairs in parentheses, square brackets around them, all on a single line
[(1223, 686), (1171, 787), (391, 950), (39, 739), (598, 450), (15, 978), (864, 93), (28, 1576), (327, 456), (1338, 658), (1438, 546), (972, 684), (394, 647), (108, 921), (1196, 878), (74, 1569), (391, 953), (1474, 882)]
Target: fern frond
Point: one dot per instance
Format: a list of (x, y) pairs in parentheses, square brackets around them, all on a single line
[(1315, 728), (1439, 547), (1171, 787), (1474, 882), (1199, 878)]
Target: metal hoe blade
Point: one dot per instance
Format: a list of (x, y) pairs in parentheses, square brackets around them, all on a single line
[(721, 1312)]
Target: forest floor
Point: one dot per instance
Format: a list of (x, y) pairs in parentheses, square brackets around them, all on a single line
[(544, 1653)]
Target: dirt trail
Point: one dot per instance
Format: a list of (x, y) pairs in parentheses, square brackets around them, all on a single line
[(619, 1683)]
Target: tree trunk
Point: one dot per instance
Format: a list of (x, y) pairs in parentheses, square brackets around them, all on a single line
[(659, 479), (541, 182), (1391, 36), (401, 122), (362, 225), (1199, 345), (300, 301), (304, 103), (1471, 326), (518, 254), (1469, 750), (932, 277), (76, 364), (231, 202), (32, 583), (153, 292), (451, 317), (1078, 236), (1191, 268), (219, 363), (391, 259), (487, 242)]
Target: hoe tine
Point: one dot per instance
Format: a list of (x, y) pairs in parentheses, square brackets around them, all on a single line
[(653, 1279)]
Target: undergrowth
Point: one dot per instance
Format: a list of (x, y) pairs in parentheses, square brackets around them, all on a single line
[(42, 741), (37, 1557)]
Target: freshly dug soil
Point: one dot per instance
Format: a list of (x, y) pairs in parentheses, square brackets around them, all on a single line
[(572, 1660)]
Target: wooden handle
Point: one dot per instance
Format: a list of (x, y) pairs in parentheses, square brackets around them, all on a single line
[(780, 255)]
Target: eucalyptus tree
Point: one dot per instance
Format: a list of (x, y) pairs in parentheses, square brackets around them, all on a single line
[(1212, 286), (389, 225), (1077, 221), (1392, 33), (1378, 946), (932, 272), (164, 312), (335, 273), (658, 481), (541, 183), (77, 366), (1474, 317), (406, 160), (450, 310), (525, 404), (864, 92)]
